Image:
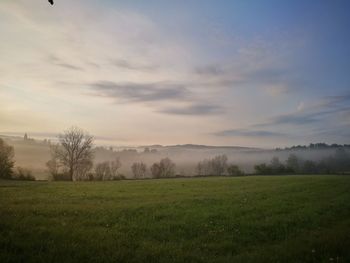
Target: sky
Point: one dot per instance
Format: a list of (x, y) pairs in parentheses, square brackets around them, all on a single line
[(247, 73)]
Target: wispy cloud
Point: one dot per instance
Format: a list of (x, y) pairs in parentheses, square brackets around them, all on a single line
[(328, 114), (318, 111), (136, 92), (210, 70), (59, 62), (249, 133), (195, 109), (125, 64)]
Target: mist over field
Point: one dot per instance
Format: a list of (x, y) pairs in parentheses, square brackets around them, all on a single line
[(34, 154)]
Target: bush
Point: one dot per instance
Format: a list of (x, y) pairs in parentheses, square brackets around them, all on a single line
[(165, 168), (234, 170), (262, 169), (275, 167), (6, 160), (107, 171), (119, 177), (61, 177), (23, 175)]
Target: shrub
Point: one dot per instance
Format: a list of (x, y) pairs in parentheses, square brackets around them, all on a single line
[(61, 177), (262, 169), (107, 170), (234, 170), (6, 160), (23, 174), (165, 168)]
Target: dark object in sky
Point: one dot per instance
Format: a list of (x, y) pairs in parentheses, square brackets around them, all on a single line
[(51, 2)]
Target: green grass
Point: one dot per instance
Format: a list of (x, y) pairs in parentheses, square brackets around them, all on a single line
[(246, 219)]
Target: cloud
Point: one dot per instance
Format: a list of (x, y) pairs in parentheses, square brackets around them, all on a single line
[(196, 109), (69, 66), (331, 101), (209, 70), (249, 133), (185, 101), (294, 118), (124, 64), (59, 62), (323, 118), (140, 92), (318, 111)]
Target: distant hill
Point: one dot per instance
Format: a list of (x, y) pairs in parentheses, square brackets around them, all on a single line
[(315, 146), (198, 147)]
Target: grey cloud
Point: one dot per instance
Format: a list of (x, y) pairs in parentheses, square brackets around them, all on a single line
[(249, 133), (336, 100), (152, 92), (69, 66), (298, 119), (210, 70), (121, 63), (59, 62), (196, 109), (318, 113), (244, 76), (140, 92)]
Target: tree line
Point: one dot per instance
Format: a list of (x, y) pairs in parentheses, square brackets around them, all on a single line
[(72, 160), (338, 163)]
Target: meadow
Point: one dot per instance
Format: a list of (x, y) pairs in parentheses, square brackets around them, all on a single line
[(219, 219)]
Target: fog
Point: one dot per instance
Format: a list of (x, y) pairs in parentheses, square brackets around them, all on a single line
[(33, 155)]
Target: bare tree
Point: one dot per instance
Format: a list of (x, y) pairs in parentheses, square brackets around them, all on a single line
[(165, 168), (204, 168), (103, 171), (214, 166), (155, 170), (83, 168), (74, 152), (107, 170), (200, 169), (139, 169), (114, 167), (219, 164)]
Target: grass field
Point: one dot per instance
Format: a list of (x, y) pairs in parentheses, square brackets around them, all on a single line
[(247, 219)]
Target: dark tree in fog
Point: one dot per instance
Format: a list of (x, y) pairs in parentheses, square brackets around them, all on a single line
[(219, 164), (115, 165), (139, 169), (107, 170), (103, 171), (6, 160), (165, 168), (293, 163), (74, 152), (234, 170)]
